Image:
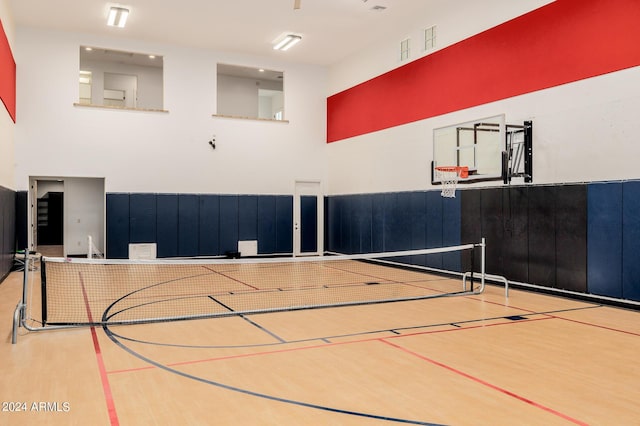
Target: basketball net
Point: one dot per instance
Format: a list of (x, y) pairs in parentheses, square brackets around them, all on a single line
[(449, 176)]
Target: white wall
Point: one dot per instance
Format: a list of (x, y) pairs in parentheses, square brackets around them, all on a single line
[(84, 203), (163, 152), (582, 131), (7, 178)]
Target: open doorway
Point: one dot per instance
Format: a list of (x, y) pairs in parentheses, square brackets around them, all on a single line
[(64, 213)]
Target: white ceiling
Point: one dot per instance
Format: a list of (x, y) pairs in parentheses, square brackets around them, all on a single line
[(331, 29)]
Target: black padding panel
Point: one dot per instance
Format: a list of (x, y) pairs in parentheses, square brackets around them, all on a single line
[(21, 219), (188, 218), (452, 231), (542, 236), (397, 221), (571, 237), (470, 222), (516, 236), (492, 218), (118, 226), (604, 230), (418, 202), (167, 217), (363, 221), (631, 240), (209, 225), (377, 223), (7, 230)]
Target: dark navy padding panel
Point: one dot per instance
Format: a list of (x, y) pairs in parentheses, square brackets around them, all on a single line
[(346, 216), (418, 202), (542, 236), (117, 226), (332, 218), (209, 225), (142, 218), (451, 231), (7, 230), (308, 223), (188, 218), (167, 222), (397, 221), (266, 224), (228, 223), (516, 239), (363, 220), (604, 253), (434, 227), (22, 207), (377, 223), (631, 240), (247, 217), (284, 224), (571, 237)]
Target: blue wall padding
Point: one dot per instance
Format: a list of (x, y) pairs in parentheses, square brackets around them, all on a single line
[(188, 218), (198, 224), (377, 223), (631, 240), (167, 219), (229, 223), (418, 225), (267, 229), (247, 217), (209, 225), (284, 224), (142, 218), (118, 226), (604, 233), (451, 231)]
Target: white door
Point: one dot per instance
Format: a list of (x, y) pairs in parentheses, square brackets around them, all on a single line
[(308, 219)]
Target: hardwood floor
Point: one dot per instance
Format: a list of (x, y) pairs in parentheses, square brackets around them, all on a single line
[(474, 360)]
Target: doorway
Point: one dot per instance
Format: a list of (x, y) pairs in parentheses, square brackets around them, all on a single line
[(308, 219)]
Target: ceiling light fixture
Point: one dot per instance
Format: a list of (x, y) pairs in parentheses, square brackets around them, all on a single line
[(287, 42), (117, 17)]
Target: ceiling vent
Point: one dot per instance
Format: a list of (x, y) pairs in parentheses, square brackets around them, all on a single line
[(378, 8)]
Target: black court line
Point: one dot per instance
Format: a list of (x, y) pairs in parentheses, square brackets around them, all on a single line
[(275, 336), (258, 394), (231, 278)]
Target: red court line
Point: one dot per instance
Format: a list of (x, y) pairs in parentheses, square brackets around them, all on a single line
[(321, 346), (111, 408), (485, 383)]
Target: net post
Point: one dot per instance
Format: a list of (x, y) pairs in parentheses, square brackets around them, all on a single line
[(43, 287), (473, 267), (483, 247), (25, 283)]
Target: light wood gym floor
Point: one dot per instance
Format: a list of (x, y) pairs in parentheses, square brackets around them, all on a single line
[(531, 359)]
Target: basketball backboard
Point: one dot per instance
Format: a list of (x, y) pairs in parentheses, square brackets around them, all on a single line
[(489, 148)]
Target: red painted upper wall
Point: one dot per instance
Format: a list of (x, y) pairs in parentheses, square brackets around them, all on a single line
[(7, 75), (562, 42)]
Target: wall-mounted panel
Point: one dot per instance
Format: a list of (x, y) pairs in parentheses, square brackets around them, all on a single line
[(630, 240), (542, 236), (247, 217), (142, 218), (209, 225), (229, 223), (571, 237), (516, 236), (267, 224), (284, 224), (118, 226), (604, 256), (188, 219), (167, 238)]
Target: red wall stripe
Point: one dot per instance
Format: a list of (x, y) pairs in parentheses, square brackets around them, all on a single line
[(562, 42), (7, 75)]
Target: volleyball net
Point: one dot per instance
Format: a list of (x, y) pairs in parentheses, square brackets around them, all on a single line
[(81, 292)]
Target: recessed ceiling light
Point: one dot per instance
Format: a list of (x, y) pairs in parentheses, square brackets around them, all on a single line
[(117, 17), (152, 56), (88, 49), (287, 42)]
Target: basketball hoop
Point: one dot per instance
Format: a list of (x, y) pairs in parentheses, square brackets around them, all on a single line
[(449, 176)]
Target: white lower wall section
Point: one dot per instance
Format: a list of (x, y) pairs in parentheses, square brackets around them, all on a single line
[(583, 131)]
